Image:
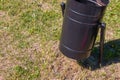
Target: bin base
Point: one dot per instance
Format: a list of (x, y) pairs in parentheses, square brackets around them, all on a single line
[(77, 55)]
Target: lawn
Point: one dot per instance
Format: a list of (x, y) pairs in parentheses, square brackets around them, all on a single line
[(29, 40)]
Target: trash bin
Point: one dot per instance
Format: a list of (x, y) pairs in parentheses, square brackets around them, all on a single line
[(82, 21)]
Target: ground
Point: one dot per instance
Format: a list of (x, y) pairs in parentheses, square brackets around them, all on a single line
[(29, 39)]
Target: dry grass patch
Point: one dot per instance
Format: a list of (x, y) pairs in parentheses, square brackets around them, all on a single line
[(4, 16)]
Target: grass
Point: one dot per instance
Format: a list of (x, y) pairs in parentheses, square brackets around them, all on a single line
[(29, 39)]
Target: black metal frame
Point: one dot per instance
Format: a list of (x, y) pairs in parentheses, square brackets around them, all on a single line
[(102, 40)]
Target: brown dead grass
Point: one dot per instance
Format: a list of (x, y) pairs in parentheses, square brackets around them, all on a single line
[(70, 70), (4, 16), (57, 67), (45, 6), (1, 78)]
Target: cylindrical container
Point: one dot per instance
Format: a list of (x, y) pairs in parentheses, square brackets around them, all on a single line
[(80, 28)]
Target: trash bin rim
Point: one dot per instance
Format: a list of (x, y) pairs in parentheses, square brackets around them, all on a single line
[(95, 5)]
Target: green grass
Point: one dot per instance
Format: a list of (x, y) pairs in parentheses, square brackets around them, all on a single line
[(29, 39)]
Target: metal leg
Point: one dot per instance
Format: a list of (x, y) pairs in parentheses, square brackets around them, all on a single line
[(62, 7), (102, 39)]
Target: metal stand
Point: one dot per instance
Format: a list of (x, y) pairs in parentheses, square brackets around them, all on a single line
[(102, 39)]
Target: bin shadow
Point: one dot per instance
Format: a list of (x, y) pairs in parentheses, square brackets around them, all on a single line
[(111, 55)]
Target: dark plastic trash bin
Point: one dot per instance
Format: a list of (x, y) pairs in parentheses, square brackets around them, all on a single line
[(82, 20)]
